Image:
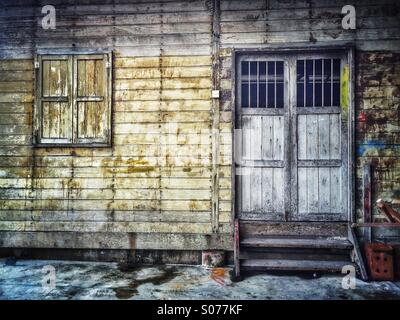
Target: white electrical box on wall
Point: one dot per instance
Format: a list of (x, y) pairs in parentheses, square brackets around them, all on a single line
[(215, 94)]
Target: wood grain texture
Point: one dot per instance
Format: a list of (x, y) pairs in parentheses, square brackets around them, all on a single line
[(163, 73)]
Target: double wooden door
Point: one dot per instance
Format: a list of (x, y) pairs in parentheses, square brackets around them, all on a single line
[(291, 152)]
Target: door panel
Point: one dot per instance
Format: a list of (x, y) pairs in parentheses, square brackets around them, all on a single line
[(293, 163), (320, 158), (319, 190), (263, 97), (263, 165), (318, 137)]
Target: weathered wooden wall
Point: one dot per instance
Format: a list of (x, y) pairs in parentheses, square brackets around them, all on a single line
[(151, 190), (140, 193)]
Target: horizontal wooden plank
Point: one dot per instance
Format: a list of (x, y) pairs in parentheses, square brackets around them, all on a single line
[(330, 24), (85, 9), (63, 30), (319, 10), (105, 216), (16, 97), (94, 161), (123, 49), (7, 107), (116, 240), (16, 65), (16, 119), (107, 183), (11, 75), (106, 42), (152, 21), (164, 84), (162, 117), (225, 217), (12, 140), (296, 243), (293, 265), (300, 229), (16, 86), (258, 38), (171, 105), (167, 72), (105, 227), (113, 204), (173, 151), (71, 192), (163, 139), (170, 128), (120, 169), (163, 61)]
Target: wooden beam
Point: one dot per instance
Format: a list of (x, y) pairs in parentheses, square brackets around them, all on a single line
[(115, 240), (367, 198), (237, 250), (215, 112), (359, 260), (376, 225)]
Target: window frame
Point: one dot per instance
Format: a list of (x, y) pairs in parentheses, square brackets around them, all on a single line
[(73, 140)]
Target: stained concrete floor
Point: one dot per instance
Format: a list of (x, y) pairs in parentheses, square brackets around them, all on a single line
[(22, 279)]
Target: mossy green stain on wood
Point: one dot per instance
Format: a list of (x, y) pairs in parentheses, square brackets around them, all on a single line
[(344, 90)]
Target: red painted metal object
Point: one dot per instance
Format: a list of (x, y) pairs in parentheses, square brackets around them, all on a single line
[(389, 212), (397, 261), (380, 261)]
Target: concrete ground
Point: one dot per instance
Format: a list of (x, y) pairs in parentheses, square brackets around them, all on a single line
[(22, 279)]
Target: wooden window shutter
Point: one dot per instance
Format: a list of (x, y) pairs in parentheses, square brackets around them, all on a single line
[(54, 100), (73, 100), (92, 105)]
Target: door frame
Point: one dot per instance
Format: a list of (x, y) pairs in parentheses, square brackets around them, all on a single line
[(349, 50)]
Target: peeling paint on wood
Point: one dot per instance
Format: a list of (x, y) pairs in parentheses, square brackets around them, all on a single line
[(166, 62)]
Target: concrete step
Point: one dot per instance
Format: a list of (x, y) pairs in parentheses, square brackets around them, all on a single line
[(296, 229), (292, 265), (299, 243), (293, 254)]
